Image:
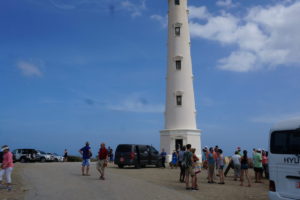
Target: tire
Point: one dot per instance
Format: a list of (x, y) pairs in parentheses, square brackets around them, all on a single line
[(56, 160), (120, 166), (23, 160), (43, 160), (137, 165), (158, 164)]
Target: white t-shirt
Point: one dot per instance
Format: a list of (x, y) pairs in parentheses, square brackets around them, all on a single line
[(236, 159)]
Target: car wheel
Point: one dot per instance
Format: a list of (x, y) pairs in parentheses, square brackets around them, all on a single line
[(43, 159), (137, 165), (23, 160), (158, 164), (120, 166), (56, 160)]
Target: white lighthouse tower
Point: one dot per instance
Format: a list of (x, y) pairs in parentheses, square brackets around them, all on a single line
[(180, 114)]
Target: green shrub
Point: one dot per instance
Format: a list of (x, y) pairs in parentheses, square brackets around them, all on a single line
[(74, 159)]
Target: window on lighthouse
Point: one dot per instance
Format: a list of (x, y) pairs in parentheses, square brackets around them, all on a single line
[(177, 31), (177, 2), (178, 64), (179, 100)]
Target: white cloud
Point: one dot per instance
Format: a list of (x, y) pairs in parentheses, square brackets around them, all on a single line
[(226, 3), (162, 20), (135, 103), (266, 37), (198, 12), (29, 69), (134, 9), (271, 119)]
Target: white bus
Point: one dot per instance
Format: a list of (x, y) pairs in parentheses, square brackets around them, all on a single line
[(284, 161)]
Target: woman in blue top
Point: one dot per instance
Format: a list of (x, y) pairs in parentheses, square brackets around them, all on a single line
[(174, 160)]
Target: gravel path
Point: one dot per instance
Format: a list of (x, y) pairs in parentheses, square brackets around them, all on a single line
[(62, 181)]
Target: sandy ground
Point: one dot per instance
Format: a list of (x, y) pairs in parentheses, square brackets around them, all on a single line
[(63, 181), (18, 191)]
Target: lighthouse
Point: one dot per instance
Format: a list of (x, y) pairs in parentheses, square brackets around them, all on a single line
[(180, 112)]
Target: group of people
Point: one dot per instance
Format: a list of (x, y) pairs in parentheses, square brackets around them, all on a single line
[(6, 167), (86, 159), (214, 161), (189, 164)]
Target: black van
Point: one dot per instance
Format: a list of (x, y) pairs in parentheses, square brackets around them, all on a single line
[(137, 155)]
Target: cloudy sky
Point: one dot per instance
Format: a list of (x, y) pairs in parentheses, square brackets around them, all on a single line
[(94, 70)]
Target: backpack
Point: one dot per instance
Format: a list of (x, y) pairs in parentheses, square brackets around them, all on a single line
[(186, 162)]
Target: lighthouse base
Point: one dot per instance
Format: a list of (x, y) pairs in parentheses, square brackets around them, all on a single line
[(171, 140)]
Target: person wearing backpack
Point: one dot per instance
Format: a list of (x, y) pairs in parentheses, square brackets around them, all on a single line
[(188, 164)]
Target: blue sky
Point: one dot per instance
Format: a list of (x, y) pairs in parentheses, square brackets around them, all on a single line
[(94, 70)]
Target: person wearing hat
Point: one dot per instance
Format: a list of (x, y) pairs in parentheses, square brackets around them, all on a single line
[(7, 166)]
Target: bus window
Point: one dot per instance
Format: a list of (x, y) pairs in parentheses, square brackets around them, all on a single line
[(285, 142)]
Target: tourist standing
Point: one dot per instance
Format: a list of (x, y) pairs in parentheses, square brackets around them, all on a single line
[(111, 155), (163, 155), (196, 168), (220, 165), (6, 166), (180, 160), (86, 155), (265, 162), (188, 162), (211, 165), (236, 165), (66, 155), (102, 160), (257, 164), (244, 168), (174, 159)]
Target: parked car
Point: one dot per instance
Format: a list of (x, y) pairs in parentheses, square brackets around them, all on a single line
[(136, 155), (57, 158), (25, 155), (43, 157)]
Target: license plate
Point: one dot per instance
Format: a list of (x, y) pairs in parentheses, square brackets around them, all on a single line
[(121, 159), (298, 185)]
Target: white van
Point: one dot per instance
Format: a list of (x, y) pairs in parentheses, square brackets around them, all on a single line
[(284, 161)]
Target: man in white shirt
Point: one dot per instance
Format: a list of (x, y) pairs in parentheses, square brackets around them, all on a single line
[(236, 165)]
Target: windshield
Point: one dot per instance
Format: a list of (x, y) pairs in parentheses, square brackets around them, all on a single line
[(285, 142), (41, 152), (124, 148)]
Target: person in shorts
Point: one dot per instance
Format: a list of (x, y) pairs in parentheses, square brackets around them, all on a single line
[(244, 168), (188, 163), (220, 165), (211, 165), (236, 165), (258, 167), (65, 155), (86, 155), (102, 160)]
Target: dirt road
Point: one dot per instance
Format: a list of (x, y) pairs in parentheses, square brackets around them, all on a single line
[(63, 181)]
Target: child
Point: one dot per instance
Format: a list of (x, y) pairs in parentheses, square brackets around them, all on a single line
[(7, 166)]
